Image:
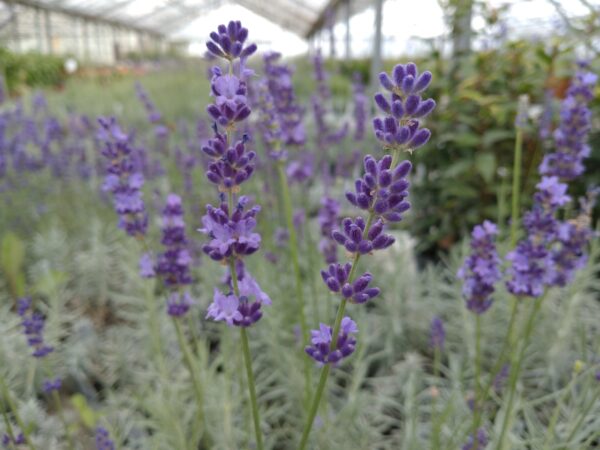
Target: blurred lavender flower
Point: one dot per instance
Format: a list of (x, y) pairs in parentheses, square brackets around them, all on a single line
[(153, 114), (360, 108), (50, 385), (479, 442), (320, 349), (122, 179), (103, 441), (33, 324), (437, 334), (146, 266), (572, 133), (173, 266), (501, 377), (7, 442), (288, 113), (481, 270)]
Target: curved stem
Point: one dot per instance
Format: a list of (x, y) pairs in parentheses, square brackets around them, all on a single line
[(478, 403), (516, 369), (287, 205), (516, 187)]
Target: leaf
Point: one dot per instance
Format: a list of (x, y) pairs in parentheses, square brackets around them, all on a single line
[(12, 256), (493, 136), (486, 165), (87, 414)]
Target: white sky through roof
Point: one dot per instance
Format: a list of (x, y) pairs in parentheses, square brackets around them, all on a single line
[(402, 21)]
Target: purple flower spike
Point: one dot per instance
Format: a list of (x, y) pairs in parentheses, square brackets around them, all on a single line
[(479, 442), (50, 385), (18, 440), (437, 334), (33, 327), (320, 349), (231, 104), (400, 129), (178, 304), (243, 311), (103, 441), (228, 42), (481, 270), (351, 236), (336, 279), (382, 189), (173, 265), (233, 235), (328, 220), (123, 178), (572, 133)]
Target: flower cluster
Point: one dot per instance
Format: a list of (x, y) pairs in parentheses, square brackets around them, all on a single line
[(33, 324), (268, 122), (154, 115), (123, 179), (231, 235), (356, 238), (572, 134), (481, 270), (479, 442), (230, 227), (320, 349), (382, 191), (532, 266), (360, 108), (228, 42), (103, 441), (231, 102), (51, 384), (230, 165), (400, 128), (358, 291)]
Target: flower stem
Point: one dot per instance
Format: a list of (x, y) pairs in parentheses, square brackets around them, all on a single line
[(435, 433), (516, 187), (287, 205), (478, 403), (248, 364), (13, 407), (516, 369), (336, 328)]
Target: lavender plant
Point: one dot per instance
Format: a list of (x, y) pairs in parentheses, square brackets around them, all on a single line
[(382, 192), (230, 226)]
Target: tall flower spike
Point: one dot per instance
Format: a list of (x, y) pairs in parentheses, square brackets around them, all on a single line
[(320, 349), (123, 178), (404, 107), (33, 324), (228, 42), (103, 440), (481, 270), (437, 334), (572, 133)]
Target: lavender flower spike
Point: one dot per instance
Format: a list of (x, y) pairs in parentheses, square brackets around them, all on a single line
[(437, 334), (103, 441), (33, 326), (320, 348), (481, 270)]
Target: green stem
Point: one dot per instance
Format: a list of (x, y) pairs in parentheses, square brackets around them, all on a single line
[(248, 364), (16, 415), (516, 188), (516, 369), (287, 205), (336, 329), (189, 363), (251, 388), (478, 402)]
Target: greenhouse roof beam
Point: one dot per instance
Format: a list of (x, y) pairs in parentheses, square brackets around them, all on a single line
[(294, 20), (54, 7)]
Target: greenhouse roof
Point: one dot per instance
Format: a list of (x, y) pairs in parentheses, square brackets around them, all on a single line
[(166, 17)]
